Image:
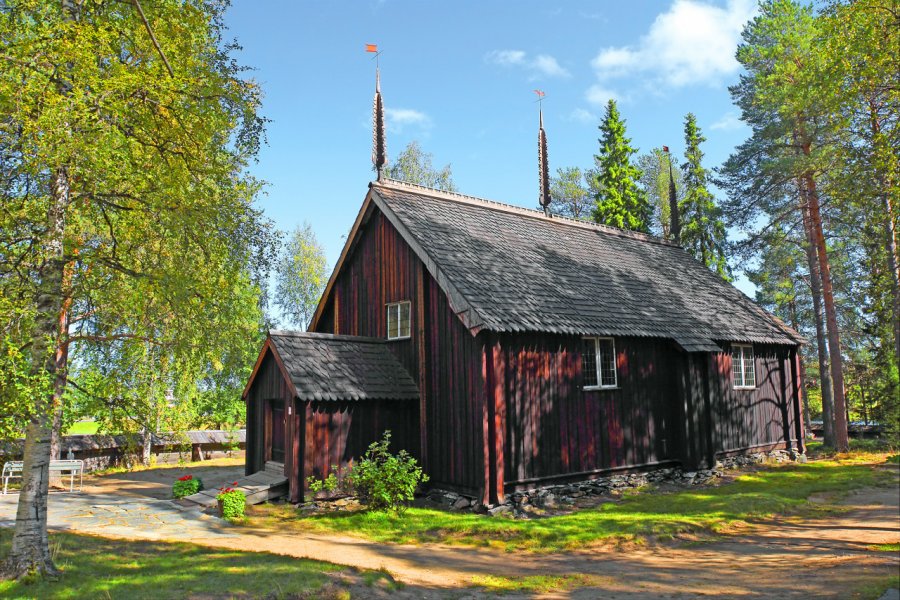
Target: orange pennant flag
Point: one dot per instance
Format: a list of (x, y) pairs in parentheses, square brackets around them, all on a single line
[(540, 93), (371, 47)]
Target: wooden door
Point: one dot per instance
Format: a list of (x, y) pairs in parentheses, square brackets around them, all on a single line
[(277, 432)]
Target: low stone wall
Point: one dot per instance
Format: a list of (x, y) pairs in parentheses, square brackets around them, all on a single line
[(519, 504)]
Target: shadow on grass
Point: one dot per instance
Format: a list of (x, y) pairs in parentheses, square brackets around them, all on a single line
[(96, 567), (776, 490)]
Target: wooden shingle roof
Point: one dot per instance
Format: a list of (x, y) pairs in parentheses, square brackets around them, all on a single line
[(336, 367), (510, 269)]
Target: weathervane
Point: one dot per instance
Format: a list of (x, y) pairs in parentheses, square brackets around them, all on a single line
[(543, 164), (379, 145)]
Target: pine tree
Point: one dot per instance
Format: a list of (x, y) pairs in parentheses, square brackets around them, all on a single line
[(702, 230), (795, 128), (618, 201)]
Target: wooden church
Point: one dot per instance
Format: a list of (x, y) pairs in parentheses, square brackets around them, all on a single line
[(509, 348)]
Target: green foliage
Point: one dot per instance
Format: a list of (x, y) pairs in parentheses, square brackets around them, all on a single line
[(18, 382), (186, 486), (655, 176), (702, 229), (821, 93), (339, 481), (618, 201), (162, 246), (386, 481), (301, 273), (413, 165), (233, 503), (571, 193)]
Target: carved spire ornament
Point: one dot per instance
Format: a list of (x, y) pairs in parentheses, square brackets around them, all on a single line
[(543, 163), (674, 217), (379, 146)]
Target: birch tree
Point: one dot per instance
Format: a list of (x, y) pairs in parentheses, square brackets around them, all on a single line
[(301, 274), (126, 137)]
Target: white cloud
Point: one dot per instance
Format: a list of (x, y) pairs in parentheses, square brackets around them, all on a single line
[(506, 58), (548, 66), (397, 119), (692, 42), (583, 116), (541, 65), (599, 95), (728, 122)]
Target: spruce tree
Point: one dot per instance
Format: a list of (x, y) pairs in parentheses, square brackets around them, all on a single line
[(618, 200), (702, 230)]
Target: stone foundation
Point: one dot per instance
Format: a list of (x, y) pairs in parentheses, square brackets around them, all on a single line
[(520, 504), (560, 496)]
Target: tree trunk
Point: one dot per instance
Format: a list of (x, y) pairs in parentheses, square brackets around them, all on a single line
[(815, 284), (146, 446), (62, 360), (30, 552), (795, 324), (842, 442), (894, 268), (890, 231)]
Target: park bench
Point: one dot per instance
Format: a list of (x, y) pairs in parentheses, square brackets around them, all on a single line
[(13, 469)]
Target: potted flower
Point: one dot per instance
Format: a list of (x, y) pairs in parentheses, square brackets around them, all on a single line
[(231, 502), (186, 485)]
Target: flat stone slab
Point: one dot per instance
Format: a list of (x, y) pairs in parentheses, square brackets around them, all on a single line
[(126, 517)]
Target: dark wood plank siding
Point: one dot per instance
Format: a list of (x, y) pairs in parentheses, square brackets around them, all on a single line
[(556, 428), (268, 385), (455, 393), (338, 432), (764, 416), (381, 269)]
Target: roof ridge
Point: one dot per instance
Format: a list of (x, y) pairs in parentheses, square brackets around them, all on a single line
[(324, 336), (528, 212)]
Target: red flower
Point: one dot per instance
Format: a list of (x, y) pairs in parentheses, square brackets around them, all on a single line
[(186, 478)]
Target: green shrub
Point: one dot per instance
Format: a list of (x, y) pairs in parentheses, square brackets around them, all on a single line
[(384, 480), (337, 483), (186, 486), (231, 502)]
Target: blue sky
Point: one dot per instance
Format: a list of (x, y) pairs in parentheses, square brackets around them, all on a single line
[(458, 77)]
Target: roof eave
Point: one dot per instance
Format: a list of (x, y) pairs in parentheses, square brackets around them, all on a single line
[(269, 345)]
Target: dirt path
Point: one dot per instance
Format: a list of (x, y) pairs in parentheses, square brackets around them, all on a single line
[(783, 558), (823, 558)]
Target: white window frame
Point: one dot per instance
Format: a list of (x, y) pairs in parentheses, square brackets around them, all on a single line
[(395, 307), (600, 386), (743, 349)]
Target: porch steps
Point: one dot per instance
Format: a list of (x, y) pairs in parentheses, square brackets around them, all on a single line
[(268, 484)]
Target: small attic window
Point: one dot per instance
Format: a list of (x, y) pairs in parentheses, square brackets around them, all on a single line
[(743, 367), (398, 321)]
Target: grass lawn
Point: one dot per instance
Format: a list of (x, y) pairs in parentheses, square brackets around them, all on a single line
[(83, 428), (102, 568), (781, 489)]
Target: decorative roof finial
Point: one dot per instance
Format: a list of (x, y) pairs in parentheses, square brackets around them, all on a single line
[(543, 163), (379, 145), (674, 217)]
